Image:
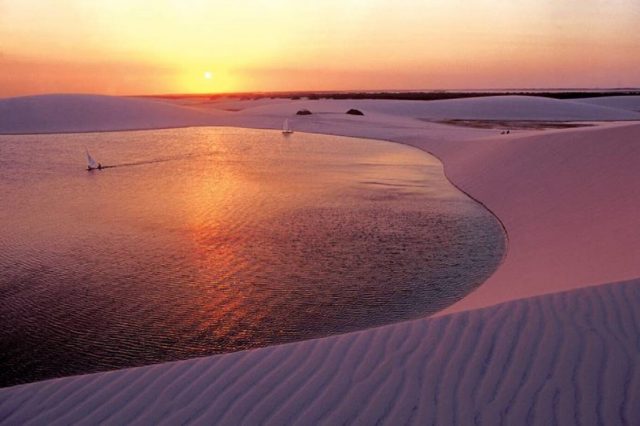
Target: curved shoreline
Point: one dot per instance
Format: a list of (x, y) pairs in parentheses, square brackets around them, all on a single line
[(428, 147), (405, 144), (450, 229), (505, 231), (434, 148), (521, 346)]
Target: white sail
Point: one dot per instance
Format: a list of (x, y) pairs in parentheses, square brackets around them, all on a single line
[(91, 163), (285, 127)]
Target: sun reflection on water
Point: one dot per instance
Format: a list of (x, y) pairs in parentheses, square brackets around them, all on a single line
[(203, 241)]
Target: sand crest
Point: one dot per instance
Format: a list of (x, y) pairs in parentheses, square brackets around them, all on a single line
[(518, 349)]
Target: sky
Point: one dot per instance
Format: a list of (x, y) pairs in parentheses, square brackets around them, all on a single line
[(134, 47)]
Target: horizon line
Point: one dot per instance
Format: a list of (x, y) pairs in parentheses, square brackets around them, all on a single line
[(287, 93)]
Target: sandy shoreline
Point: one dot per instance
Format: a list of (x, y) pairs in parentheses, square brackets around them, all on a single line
[(568, 201)]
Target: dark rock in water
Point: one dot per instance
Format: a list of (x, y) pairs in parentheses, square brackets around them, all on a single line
[(303, 112), (353, 111)]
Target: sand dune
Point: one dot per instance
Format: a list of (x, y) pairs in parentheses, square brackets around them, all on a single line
[(566, 358), (569, 200), (482, 108), (82, 113), (631, 103)]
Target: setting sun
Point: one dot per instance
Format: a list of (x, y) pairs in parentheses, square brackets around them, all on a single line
[(356, 45), (319, 212)]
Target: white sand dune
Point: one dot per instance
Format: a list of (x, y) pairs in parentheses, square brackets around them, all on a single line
[(83, 113), (631, 103), (566, 358), (569, 200), (481, 108)]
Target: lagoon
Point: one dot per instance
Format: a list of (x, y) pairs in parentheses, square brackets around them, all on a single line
[(208, 240)]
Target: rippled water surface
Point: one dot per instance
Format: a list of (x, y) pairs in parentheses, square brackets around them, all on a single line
[(211, 240)]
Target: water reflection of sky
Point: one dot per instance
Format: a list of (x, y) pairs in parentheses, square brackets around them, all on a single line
[(203, 241)]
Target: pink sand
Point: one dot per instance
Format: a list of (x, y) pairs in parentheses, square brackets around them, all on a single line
[(569, 200)]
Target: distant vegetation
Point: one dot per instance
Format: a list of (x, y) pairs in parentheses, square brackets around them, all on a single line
[(414, 96), (354, 111)]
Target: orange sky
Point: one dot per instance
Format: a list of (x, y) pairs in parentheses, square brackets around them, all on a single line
[(166, 46)]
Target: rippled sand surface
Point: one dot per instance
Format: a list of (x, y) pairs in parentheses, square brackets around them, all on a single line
[(209, 240)]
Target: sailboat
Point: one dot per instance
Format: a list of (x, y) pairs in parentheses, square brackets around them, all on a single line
[(92, 164), (286, 129)]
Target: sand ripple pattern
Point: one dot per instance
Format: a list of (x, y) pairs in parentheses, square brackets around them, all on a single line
[(565, 358)]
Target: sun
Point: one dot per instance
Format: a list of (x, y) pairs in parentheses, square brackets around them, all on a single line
[(203, 80)]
